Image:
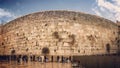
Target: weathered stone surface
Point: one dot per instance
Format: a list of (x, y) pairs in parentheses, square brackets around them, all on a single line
[(63, 32)]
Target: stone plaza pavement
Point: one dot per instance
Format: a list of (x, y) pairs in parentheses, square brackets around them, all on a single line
[(35, 65)]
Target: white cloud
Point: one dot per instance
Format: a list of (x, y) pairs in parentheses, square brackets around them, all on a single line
[(117, 2), (97, 12), (107, 9), (6, 15)]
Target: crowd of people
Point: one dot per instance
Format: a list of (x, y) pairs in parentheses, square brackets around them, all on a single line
[(26, 58)]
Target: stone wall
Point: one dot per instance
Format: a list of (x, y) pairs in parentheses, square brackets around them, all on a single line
[(62, 32), (118, 41)]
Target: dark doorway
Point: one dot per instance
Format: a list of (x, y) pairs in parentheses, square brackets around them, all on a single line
[(45, 51), (108, 48), (13, 52)]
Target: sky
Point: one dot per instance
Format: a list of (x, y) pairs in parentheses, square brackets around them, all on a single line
[(12, 9)]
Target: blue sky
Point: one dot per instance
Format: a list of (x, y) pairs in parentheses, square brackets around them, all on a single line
[(11, 9)]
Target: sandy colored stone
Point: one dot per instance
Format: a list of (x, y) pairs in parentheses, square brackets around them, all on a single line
[(63, 32)]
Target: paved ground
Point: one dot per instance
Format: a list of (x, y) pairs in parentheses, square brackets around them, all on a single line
[(35, 65)]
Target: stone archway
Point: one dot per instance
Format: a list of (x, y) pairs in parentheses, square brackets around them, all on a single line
[(13, 52), (45, 51)]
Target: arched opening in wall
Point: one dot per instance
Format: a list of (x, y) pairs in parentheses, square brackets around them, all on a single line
[(12, 52), (108, 48), (45, 51)]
